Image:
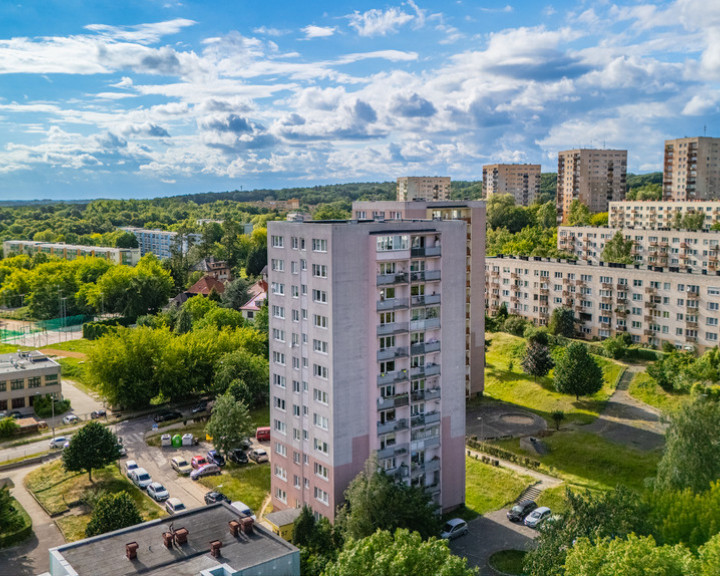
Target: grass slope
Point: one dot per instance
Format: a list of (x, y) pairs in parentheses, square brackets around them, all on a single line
[(249, 483), (645, 389)]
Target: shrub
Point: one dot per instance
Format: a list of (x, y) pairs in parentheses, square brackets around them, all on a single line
[(8, 427), (43, 406), (515, 325)]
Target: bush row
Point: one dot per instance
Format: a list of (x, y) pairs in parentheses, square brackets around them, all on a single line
[(96, 329), (475, 444), (17, 533)]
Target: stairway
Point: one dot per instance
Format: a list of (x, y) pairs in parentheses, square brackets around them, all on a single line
[(530, 493)]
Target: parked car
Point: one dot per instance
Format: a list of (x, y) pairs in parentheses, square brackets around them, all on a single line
[(200, 407), (98, 414), (518, 512), (207, 470), (537, 517), (174, 505), (258, 455), (3, 414), (214, 457), (130, 465), (157, 492), (454, 528), (58, 442), (262, 434), (212, 497), (141, 478), (15, 414), (238, 456), (70, 419), (167, 415), (121, 447), (244, 509), (198, 462), (180, 465)]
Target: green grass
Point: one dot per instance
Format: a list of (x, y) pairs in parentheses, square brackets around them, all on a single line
[(516, 387), (489, 488), (588, 461), (645, 389), (81, 345), (57, 490), (75, 369), (26, 457), (73, 527), (249, 483), (17, 528), (508, 561)]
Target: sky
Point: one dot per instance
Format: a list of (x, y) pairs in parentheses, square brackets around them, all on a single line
[(162, 97)]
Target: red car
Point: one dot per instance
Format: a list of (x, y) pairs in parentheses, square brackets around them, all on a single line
[(198, 462)]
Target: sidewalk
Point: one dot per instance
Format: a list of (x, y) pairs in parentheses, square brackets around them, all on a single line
[(544, 480)]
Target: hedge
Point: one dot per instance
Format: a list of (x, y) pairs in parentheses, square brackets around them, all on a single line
[(20, 533), (501, 453), (96, 329)]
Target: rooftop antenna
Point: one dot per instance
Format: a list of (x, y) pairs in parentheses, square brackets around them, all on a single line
[(705, 130)]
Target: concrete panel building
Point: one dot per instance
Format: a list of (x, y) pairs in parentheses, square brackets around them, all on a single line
[(473, 214), (652, 306), (161, 242), (520, 180), (430, 188), (25, 376), (595, 177), (367, 354), (129, 256), (681, 250), (661, 214), (691, 170)]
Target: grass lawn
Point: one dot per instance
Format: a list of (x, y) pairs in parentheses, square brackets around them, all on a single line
[(73, 527), (26, 457), (508, 561), (249, 483), (74, 369), (81, 345), (58, 490), (588, 461), (516, 387), (17, 528), (645, 389), (489, 488)]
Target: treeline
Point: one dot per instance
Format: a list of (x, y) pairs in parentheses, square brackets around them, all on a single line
[(684, 372)]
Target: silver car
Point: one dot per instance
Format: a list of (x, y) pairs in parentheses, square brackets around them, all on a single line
[(141, 478)]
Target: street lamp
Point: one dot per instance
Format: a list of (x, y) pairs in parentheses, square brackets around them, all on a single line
[(482, 429)]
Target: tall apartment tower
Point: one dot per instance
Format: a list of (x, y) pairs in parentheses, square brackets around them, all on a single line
[(423, 188), (520, 180), (595, 177), (366, 355), (692, 169)]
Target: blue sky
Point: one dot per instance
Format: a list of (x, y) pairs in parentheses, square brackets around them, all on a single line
[(162, 97)]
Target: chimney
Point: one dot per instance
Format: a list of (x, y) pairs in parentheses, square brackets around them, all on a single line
[(168, 539), (247, 524), (181, 536), (131, 550), (234, 528), (215, 546)]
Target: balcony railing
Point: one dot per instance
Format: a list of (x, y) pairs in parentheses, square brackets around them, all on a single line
[(392, 328), (425, 347), (392, 304), (392, 426), (425, 276), (427, 251), (425, 300), (386, 279), (390, 353), (423, 371), (425, 419), (427, 394), (395, 450), (392, 377), (427, 324), (387, 402)]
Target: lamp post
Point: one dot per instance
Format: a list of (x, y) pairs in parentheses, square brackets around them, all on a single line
[(52, 403), (482, 429)]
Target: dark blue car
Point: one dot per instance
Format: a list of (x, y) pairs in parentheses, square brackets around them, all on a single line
[(215, 457)]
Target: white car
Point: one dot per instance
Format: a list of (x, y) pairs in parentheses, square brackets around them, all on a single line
[(157, 492), (70, 419), (130, 465), (58, 442), (454, 528), (537, 517), (141, 478), (174, 505), (244, 509), (258, 455)]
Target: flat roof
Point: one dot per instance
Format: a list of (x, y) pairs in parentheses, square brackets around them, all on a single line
[(18, 362), (104, 555)]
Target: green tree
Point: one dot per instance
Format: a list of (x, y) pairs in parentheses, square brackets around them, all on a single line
[(8, 427), (221, 318), (334, 211), (693, 221), (374, 501), (398, 554), (562, 322), (577, 372), (229, 423), (616, 347), (578, 215), (537, 360), (618, 250), (183, 323), (502, 213), (514, 324), (236, 294), (256, 261), (546, 215), (710, 557), (113, 512), (558, 416), (317, 541), (692, 447), (536, 334), (126, 240), (93, 446), (599, 219), (244, 368)]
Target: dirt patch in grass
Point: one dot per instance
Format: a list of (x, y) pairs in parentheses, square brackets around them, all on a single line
[(249, 483)]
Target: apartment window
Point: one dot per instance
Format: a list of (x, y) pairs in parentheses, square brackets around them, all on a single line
[(296, 434), (296, 410), (34, 382), (279, 358), (296, 481), (280, 472), (320, 371), (320, 321), (277, 265), (281, 495), (279, 380), (713, 306), (319, 245), (319, 296), (279, 403), (320, 396), (387, 317), (276, 241), (389, 243), (319, 270), (278, 311), (280, 426), (320, 346), (3, 386), (17, 384), (294, 242), (303, 264), (294, 292), (320, 421), (321, 471), (713, 291), (321, 495), (387, 342), (280, 449), (711, 336), (321, 446), (711, 321), (296, 315), (637, 283), (296, 386), (296, 363), (278, 335), (278, 288)]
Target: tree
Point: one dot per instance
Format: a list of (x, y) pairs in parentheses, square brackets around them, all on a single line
[(546, 215), (334, 211), (93, 446), (537, 360), (126, 240), (616, 347), (113, 512), (246, 376), (693, 221), (515, 325), (183, 322), (236, 294), (8, 427), (577, 373), (692, 447), (558, 416), (562, 322), (229, 423), (536, 334), (618, 250), (317, 540), (599, 219), (374, 501), (502, 213), (256, 261), (578, 215), (398, 554)]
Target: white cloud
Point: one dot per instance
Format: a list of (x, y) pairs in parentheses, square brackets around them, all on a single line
[(313, 31), (142, 33), (376, 22), (269, 31)]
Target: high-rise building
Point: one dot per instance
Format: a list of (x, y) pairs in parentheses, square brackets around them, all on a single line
[(473, 214), (128, 256), (692, 169), (658, 215), (423, 188), (366, 356), (520, 180), (162, 242), (595, 177)]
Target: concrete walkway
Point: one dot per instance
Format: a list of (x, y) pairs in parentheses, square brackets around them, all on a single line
[(544, 481), (31, 557), (628, 421)]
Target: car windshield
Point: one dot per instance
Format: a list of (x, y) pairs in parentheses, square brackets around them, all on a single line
[(143, 477), (179, 507), (159, 488), (448, 527), (517, 508)]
